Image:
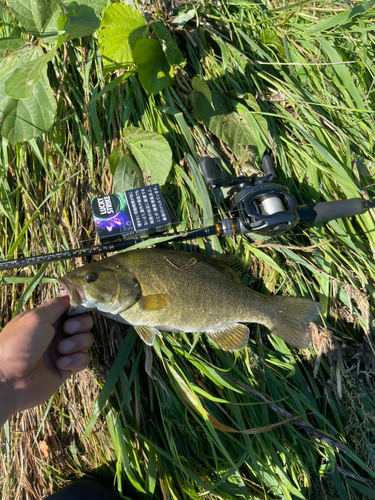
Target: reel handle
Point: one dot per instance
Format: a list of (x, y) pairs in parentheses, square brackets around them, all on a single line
[(313, 213), (209, 170), (267, 167)]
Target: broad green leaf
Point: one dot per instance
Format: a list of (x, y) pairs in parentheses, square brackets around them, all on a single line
[(252, 104), (22, 119), (63, 26), (37, 17), (151, 151), (213, 117), (366, 168), (21, 83), (238, 56), (238, 134), (128, 175), (271, 39), (183, 18), (13, 47), (368, 492), (169, 46), (97, 5), (116, 156), (201, 86), (126, 172), (232, 127), (154, 72), (81, 21), (121, 27)]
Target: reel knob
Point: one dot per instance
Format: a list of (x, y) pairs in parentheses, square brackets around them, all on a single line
[(209, 171)]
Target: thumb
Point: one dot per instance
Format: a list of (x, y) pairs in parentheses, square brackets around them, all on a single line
[(49, 312), (25, 339), (43, 323)]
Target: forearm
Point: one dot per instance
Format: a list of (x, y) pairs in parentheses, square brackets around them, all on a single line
[(38, 352)]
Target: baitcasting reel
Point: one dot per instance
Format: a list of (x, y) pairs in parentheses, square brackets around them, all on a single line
[(261, 205), (264, 206)]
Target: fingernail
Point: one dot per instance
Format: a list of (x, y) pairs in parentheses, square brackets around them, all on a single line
[(64, 362), (72, 326), (67, 345)]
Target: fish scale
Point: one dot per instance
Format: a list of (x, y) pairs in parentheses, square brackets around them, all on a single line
[(203, 295), (156, 289)]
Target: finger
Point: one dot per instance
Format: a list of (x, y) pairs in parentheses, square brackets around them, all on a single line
[(35, 331), (51, 311), (81, 323), (74, 362), (76, 343)]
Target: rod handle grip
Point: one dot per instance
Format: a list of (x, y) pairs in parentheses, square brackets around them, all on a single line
[(330, 210)]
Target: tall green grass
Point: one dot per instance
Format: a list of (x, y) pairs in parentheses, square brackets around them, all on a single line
[(309, 66)]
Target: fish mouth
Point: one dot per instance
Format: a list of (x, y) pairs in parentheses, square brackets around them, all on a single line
[(77, 296)]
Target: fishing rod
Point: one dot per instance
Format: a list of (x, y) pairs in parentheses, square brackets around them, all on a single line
[(262, 204)]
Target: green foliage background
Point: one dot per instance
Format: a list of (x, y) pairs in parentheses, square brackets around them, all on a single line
[(232, 80)]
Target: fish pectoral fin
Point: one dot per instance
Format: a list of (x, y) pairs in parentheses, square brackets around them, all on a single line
[(153, 302), (232, 338), (147, 333)]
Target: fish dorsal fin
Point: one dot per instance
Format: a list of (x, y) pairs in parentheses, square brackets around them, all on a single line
[(147, 333), (153, 302), (231, 264), (231, 338)]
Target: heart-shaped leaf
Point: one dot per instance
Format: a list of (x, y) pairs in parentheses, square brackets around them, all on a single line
[(152, 152), (232, 127), (38, 18), (21, 83), (96, 5), (213, 115), (126, 173), (81, 21), (201, 86), (169, 46), (183, 18), (15, 46), (121, 27), (271, 39), (153, 69), (237, 133), (22, 119)]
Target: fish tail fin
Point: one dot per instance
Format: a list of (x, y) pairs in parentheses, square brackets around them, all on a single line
[(292, 318)]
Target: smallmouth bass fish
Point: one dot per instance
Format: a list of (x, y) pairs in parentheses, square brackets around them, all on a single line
[(156, 289)]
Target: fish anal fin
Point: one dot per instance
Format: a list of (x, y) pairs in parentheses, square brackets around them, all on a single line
[(147, 333), (231, 338), (153, 302)]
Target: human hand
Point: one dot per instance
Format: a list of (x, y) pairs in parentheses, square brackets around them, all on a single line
[(39, 351)]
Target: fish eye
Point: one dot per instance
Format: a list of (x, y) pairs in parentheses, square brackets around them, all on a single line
[(92, 277)]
